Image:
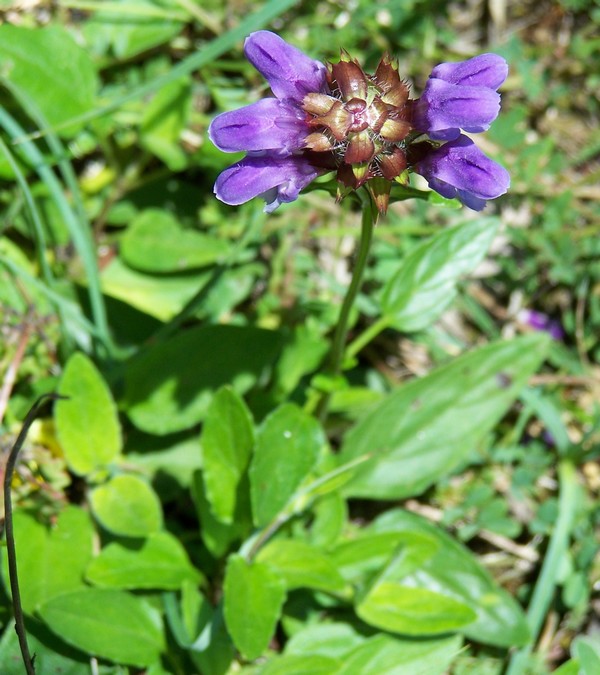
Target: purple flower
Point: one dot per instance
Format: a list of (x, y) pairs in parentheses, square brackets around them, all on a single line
[(459, 169), (272, 131), (364, 126), (540, 321), (276, 179), (460, 96)]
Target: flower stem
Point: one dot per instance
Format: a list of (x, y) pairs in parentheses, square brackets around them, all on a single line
[(366, 336), (336, 355)]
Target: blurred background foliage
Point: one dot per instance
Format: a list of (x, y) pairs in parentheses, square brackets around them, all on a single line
[(113, 245)]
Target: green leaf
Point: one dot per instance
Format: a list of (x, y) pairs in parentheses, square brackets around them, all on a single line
[(454, 571), (587, 651), (325, 638), (154, 242), (169, 387), (287, 448), (163, 121), (160, 561), (200, 629), (217, 535), (425, 283), (367, 554), (129, 32), (127, 506), (301, 565), (356, 653), (571, 667), (159, 296), (227, 440), (50, 68), (395, 656), (394, 607), (106, 623), (296, 664), (51, 560), (52, 655), (254, 596), (87, 423), (424, 430)]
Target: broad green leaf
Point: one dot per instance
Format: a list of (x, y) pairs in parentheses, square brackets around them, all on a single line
[(168, 464), (301, 355), (296, 664), (87, 423), (425, 283), (130, 28), (398, 608), (163, 121), (217, 535), (253, 596), (51, 560), (587, 651), (356, 653), (169, 387), (287, 448), (127, 506), (571, 667), (200, 629), (424, 430), (395, 656), (159, 296), (52, 655), (227, 440), (155, 242), (454, 571), (366, 555), (159, 562), (50, 68), (107, 623), (326, 639), (301, 565), (330, 514)]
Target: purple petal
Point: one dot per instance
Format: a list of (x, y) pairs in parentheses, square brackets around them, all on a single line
[(445, 109), (541, 321), (275, 179), (485, 70), (289, 72), (268, 124), (460, 169)]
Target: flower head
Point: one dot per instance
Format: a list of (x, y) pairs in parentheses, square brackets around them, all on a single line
[(365, 127)]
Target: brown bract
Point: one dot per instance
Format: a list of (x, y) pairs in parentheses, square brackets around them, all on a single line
[(363, 122)]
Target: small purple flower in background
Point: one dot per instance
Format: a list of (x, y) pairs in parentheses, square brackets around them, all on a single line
[(540, 321), (336, 117)]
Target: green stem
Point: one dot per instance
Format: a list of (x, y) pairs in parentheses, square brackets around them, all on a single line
[(338, 345), (366, 336), (546, 583)]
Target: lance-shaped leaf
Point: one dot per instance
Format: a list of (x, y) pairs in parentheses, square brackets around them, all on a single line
[(425, 283), (287, 448), (425, 429)]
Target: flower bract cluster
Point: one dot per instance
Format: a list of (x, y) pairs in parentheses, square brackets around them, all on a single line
[(363, 127)]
